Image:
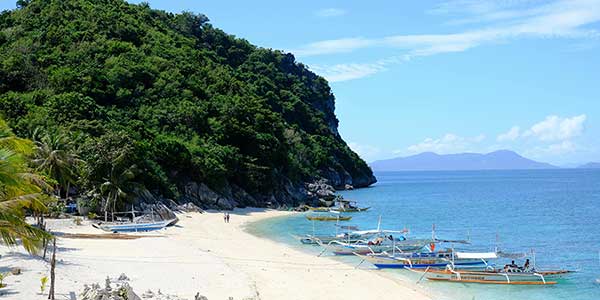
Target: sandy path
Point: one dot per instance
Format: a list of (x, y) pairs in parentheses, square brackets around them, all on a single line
[(201, 254)]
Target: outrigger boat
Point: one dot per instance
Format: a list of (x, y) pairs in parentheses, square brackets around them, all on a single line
[(381, 243), (334, 216), (328, 218), (133, 227), (318, 209), (348, 206), (352, 235), (422, 260), (509, 275), (139, 224)]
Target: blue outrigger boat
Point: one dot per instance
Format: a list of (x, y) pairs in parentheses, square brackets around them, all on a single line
[(139, 224), (422, 260), (134, 227)]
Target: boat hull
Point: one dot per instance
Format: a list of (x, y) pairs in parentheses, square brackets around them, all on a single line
[(368, 249), (349, 210), (311, 218), (494, 277), (419, 261), (135, 227)]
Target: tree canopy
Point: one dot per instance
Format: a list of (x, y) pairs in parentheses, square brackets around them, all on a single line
[(170, 94)]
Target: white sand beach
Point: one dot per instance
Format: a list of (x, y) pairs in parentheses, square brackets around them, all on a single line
[(200, 254)]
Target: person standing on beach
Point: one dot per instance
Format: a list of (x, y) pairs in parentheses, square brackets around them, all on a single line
[(225, 217), (228, 217)]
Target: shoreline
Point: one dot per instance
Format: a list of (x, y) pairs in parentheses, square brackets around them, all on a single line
[(201, 254)]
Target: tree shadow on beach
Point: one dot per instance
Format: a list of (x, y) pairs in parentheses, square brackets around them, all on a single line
[(7, 292), (21, 256)]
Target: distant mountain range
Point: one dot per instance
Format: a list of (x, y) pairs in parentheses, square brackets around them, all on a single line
[(429, 161)]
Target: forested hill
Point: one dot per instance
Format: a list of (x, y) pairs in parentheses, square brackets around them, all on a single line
[(170, 103)]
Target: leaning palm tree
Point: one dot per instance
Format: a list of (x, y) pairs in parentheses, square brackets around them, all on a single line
[(54, 156), (19, 190)]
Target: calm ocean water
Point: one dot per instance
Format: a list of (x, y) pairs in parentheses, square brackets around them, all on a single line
[(555, 213)]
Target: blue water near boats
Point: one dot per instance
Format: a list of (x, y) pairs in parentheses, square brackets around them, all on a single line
[(554, 212)]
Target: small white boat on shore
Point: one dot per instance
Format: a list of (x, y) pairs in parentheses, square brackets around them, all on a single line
[(133, 226), (136, 224)]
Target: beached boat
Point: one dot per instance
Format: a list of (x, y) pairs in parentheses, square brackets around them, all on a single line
[(328, 218), (310, 239), (344, 205), (318, 209), (134, 226), (350, 234), (509, 275), (380, 244), (422, 260), (138, 223)]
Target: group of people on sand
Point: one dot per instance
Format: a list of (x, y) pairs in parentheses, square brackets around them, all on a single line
[(226, 217), (513, 265)]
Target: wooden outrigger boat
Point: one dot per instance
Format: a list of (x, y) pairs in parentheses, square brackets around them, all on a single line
[(509, 276), (318, 209), (342, 206), (328, 218), (422, 260)]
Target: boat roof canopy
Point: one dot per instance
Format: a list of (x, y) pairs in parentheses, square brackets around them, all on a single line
[(472, 255)]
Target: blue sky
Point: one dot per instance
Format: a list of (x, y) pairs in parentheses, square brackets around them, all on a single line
[(443, 76)]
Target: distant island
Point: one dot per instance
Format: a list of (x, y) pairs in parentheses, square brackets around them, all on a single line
[(429, 161), (590, 165)]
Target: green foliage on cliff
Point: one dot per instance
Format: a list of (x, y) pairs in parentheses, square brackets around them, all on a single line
[(166, 94)]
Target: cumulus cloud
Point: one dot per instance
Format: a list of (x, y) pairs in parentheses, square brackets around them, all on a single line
[(449, 143), (330, 12), (511, 135), (555, 128)]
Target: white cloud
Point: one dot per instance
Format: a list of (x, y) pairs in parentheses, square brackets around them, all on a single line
[(555, 128), (333, 46), (343, 72), (330, 12), (366, 152), (559, 19), (449, 143), (510, 135)]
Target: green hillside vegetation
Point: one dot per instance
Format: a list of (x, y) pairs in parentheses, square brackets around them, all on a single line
[(122, 100)]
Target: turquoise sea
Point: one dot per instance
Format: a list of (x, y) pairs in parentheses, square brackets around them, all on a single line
[(555, 213)]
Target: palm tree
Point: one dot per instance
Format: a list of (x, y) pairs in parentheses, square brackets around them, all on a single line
[(19, 190), (54, 157), (119, 186)]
